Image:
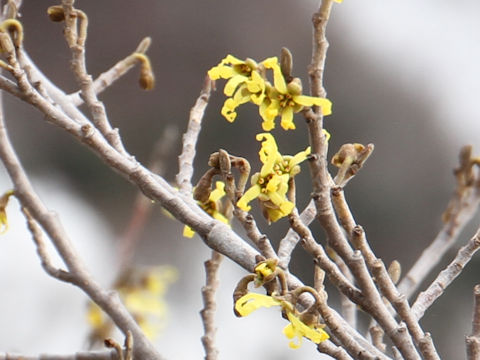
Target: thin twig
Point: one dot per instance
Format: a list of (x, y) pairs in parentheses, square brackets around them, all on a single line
[(43, 254), (389, 290), (107, 78), (185, 160), (76, 41), (290, 240), (426, 298), (208, 312), (473, 340)]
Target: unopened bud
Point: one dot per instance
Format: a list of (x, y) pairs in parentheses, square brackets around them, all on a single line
[(56, 13)]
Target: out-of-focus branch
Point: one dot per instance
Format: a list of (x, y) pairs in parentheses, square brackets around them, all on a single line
[(208, 312), (142, 206), (77, 270), (473, 340), (43, 254), (462, 207), (426, 298), (82, 355)]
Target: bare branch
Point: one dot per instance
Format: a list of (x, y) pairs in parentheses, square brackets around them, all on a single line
[(426, 298), (42, 252), (107, 78), (473, 340), (208, 312)]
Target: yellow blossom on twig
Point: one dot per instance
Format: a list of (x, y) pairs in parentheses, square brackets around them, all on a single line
[(245, 83), (270, 185), (298, 329), (286, 99), (143, 292), (212, 207), (252, 301)]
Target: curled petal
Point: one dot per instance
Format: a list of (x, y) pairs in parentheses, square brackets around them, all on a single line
[(228, 109), (252, 301), (233, 83), (242, 95), (249, 195)]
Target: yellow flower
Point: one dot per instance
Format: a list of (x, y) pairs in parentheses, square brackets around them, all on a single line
[(286, 99), (212, 207), (298, 329), (252, 301), (143, 292), (245, 83), (270, 185), (338, 1), (3, 212)]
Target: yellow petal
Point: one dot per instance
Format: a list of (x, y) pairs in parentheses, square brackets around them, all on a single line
[(287, 118), (249, 195), (233, 83), (188, 232), (230, 59), (264, 269), (252, 301), (221, 71), (267, 115), (228, 109), (327, 134), (325, 104), (218, 193), (220, 217), (273, 183), (298, 158), (299, 329), (278, 79), (241, 95)]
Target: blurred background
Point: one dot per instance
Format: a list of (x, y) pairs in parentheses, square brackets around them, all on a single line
[(402, 75)]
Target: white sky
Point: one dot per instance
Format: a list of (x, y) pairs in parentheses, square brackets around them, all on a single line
[(433, 44)]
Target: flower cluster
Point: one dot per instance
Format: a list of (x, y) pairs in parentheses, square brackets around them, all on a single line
[(143, 292), (247, 82), (302, 324), (271, 184), (212, 207)]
